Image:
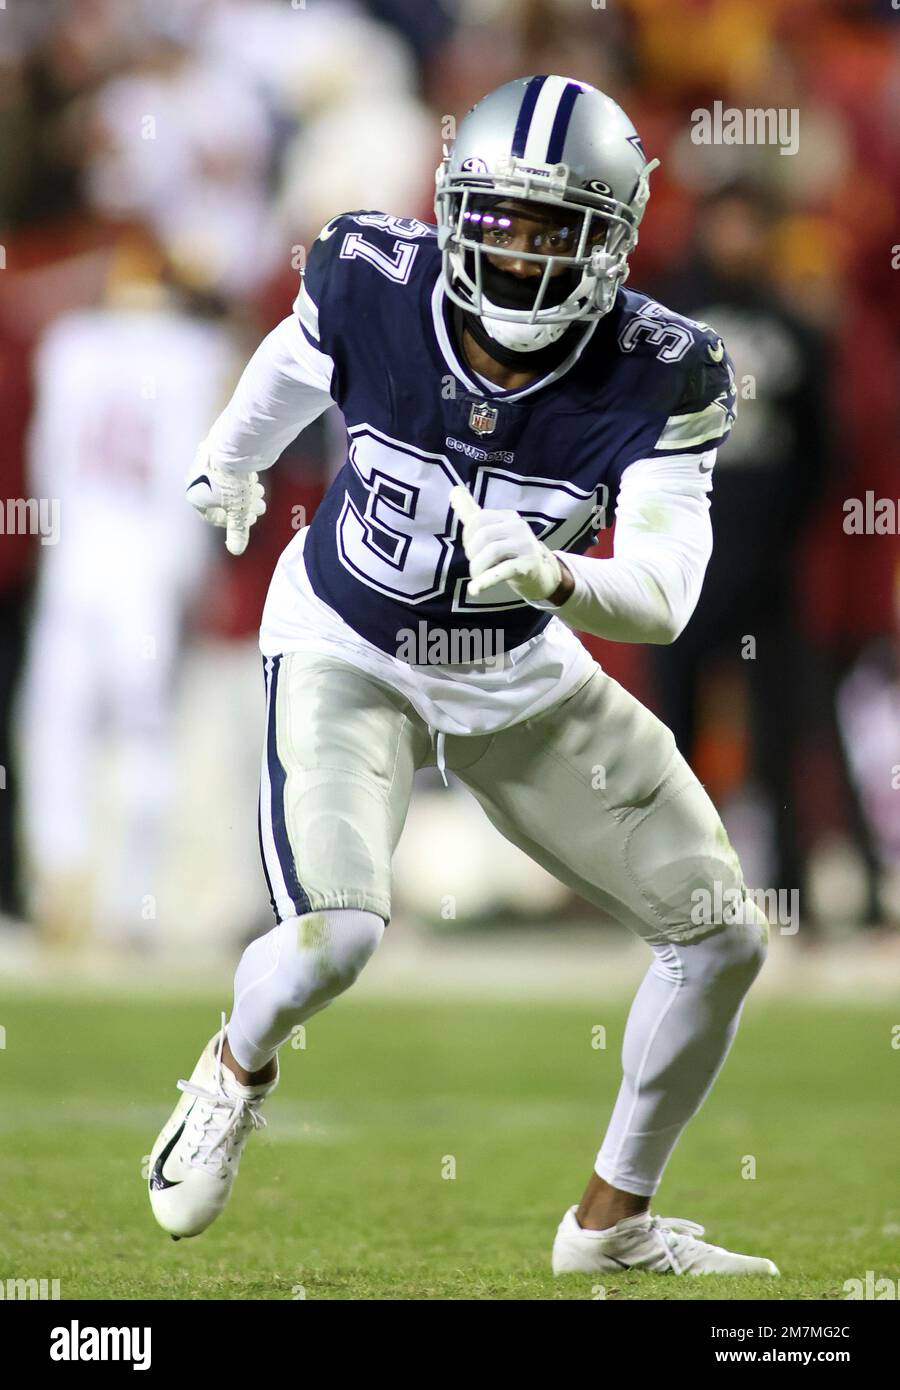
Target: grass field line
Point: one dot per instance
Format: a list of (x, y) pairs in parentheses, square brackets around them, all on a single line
[(307, 1122), (311, 1123)]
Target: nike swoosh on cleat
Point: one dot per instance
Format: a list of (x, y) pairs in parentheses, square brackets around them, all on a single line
[(202, 479), (158, 1180)]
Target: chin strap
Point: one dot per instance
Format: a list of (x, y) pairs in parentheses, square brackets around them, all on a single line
[(521, 337), (542, 360)]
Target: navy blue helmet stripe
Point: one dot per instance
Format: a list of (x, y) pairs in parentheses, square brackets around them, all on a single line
[(526, 111), (561, 122)]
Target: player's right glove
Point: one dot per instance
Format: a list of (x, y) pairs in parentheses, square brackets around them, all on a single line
[(232, 500), (502, 548)]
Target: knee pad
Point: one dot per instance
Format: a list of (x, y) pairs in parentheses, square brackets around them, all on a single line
[(323, 952), (733, 955)]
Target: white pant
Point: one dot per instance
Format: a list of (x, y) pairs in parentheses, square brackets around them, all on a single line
[(594, 790)]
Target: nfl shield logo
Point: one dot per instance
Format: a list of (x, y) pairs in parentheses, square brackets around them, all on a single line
[(483, 418)]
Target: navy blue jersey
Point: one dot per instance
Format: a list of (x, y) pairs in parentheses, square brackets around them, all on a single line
[(384, 547)]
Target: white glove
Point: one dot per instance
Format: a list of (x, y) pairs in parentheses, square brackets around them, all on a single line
[(232, 500), (501, 547)]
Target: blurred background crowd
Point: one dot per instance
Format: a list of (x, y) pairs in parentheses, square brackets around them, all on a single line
[(162, 163)]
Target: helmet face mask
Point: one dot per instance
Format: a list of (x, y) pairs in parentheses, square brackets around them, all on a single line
[(566, 243), (495, 206)]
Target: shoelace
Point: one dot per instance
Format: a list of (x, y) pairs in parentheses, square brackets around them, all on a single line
[(669, 1226), (240, 1111)]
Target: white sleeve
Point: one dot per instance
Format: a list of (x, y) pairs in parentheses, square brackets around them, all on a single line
[(284, 387), (663, 541)]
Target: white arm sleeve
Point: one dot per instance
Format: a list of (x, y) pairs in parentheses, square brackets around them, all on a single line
[(284, 387), (663, 541)]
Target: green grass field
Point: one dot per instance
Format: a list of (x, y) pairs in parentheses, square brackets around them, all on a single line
[(343, 1197)]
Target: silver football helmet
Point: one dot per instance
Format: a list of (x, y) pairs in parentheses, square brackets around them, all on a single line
[(558, 143)]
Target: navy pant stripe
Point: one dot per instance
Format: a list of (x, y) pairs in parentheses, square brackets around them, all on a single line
[(262, 855), (259, 807), (277, 778)]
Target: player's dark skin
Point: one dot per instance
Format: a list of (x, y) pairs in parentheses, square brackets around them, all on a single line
[(601, 1205)]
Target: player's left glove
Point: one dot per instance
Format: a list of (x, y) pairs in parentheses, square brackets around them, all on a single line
[(232, 500), (501, 547)]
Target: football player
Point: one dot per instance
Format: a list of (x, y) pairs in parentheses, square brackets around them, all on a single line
[(501, 389)]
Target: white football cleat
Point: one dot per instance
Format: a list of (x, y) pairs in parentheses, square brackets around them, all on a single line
[(195, 1160), (659, 1244)]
